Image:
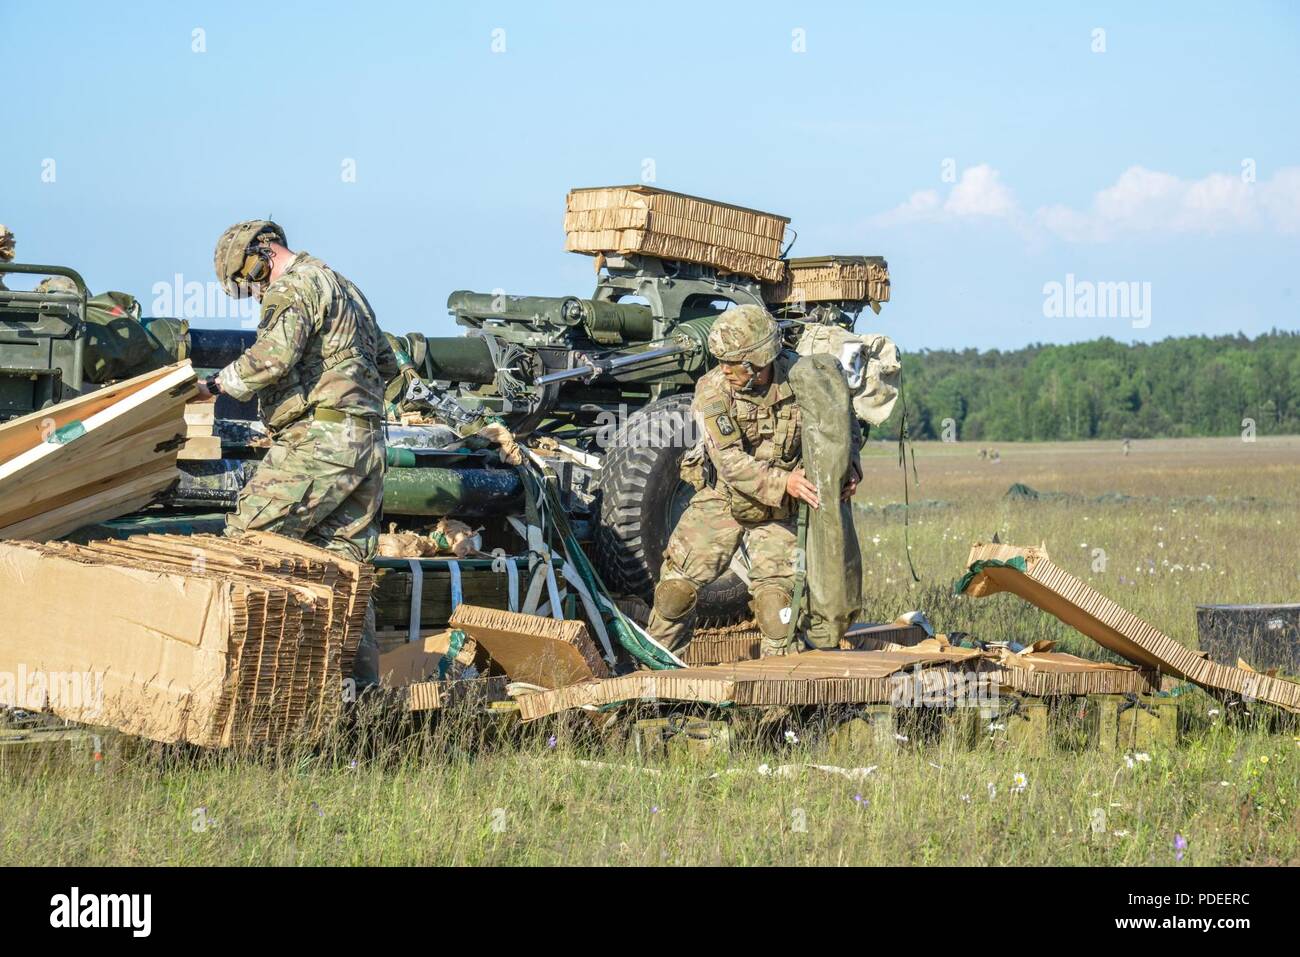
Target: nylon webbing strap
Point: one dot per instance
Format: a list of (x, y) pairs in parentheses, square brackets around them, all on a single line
[(800, 574), (457, 596), (417, 598), (455, 642), (903, 445)]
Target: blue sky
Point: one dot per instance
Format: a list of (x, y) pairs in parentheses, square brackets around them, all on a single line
[(1111, 157)]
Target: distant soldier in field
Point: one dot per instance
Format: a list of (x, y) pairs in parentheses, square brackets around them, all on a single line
[(7, 244), (318, 367), (748, 477)]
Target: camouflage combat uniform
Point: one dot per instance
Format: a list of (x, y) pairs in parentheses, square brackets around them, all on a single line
[(753, 441), (318, 367)]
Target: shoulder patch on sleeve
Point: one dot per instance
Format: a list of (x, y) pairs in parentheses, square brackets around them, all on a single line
[(722, 428), (275, 302)]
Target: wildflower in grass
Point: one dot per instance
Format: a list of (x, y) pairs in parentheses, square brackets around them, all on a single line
[(1263, 759), (1180, 845), (550, 742), (352, 764), (654, 809), (1019, 782), (791, 738), (1120, 833), (316, 807), (993, 792), (965, 798)]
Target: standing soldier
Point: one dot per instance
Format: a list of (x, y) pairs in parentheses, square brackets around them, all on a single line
[(318, 368), (748, 477)]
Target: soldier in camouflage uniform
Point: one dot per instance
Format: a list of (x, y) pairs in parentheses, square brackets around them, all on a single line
[(318, 366), (750, 444), (6, 249)]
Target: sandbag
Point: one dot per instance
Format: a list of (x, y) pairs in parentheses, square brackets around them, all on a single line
[(870, 362), (832, 556), (118, 345)]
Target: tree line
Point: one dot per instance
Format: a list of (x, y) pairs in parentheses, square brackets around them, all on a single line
[(1182, 386)]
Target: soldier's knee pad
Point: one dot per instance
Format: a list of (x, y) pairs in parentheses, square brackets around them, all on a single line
[(771, 605), (675, 598)]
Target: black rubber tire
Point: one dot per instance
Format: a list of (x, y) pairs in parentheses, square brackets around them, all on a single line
[(640, 489)]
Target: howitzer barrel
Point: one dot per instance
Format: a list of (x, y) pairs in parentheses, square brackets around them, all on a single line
[(609, 323), (216, 348)]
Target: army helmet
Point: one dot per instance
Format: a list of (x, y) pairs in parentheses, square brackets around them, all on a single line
[(745, 334), (6, 244), (239, 261), (56, 284)]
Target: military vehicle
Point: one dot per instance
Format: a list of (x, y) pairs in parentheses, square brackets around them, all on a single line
[(602, 383)]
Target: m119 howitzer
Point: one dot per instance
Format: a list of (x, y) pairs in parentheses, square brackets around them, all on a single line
[(612, 376), (609, 376), (561, 363)]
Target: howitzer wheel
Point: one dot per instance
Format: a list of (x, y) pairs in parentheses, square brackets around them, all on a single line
[(642, 497)]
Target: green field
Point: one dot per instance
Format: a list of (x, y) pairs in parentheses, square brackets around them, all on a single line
[(1179, 522)]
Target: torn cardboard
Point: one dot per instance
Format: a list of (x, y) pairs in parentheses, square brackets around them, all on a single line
[(541, 651), (1030, 574)]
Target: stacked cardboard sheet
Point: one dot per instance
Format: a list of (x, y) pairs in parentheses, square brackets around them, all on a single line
[(92, 458), (202, 639), (929, 673), (655, 222), (723, 644), (831, 279), (742, 641), (811, 678), (1030, 574)]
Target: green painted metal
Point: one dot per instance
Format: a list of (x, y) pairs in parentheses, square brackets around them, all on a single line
[(439, 491)]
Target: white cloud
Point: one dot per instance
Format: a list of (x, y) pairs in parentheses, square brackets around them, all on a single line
[(1140, 202), (978, 193)]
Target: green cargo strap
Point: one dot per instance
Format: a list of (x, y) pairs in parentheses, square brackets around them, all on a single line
[(800, 574), (339, 418), (1016, 562), (454, 645)]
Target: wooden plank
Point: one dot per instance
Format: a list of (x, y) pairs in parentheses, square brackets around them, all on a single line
[(124, 449), (106, 425), (200, 414), (29, 431), (104, 470), (200, 448), (110, 503)]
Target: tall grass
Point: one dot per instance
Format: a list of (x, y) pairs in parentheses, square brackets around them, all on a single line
[(389, 788)]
